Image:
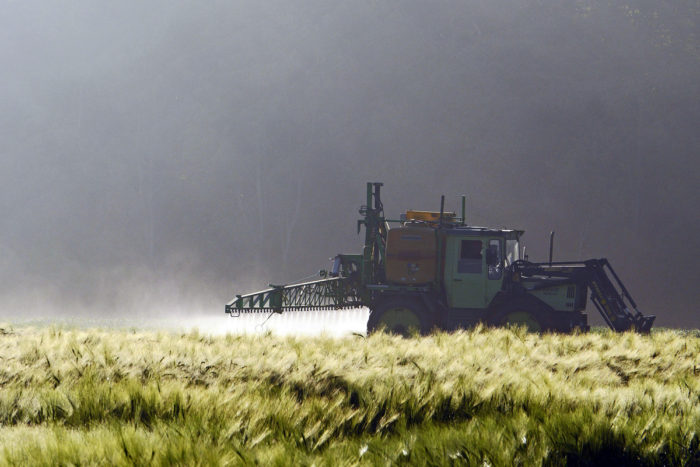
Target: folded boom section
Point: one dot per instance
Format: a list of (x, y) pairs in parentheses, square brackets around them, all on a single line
[(616, 306), (324, 294)]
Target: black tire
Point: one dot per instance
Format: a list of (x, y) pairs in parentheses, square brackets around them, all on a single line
[(399, 315), (528, 312)]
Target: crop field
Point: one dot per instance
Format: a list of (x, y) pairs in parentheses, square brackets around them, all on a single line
[(76, 396)]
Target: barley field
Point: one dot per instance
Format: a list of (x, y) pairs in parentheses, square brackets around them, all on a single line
[(72, 396)]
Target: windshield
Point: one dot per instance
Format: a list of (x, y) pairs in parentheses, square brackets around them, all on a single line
[(512, 252)]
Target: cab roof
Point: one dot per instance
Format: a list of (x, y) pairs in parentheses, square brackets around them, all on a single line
[(470, 230)]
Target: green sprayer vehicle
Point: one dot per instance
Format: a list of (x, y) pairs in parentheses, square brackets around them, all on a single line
[(432, 270)]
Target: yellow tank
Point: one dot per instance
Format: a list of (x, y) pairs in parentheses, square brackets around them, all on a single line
[(411, 255), (429, 216)]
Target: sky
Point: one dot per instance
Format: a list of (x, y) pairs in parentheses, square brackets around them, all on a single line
[(160, 157)]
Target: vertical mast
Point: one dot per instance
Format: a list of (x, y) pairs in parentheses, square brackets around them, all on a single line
[(375, 234)]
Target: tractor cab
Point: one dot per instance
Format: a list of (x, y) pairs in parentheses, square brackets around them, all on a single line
[(474, 263)]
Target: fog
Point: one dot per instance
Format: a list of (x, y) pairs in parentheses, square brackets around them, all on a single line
[(159, 157)]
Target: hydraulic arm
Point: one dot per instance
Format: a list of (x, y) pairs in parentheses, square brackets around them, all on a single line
[(611, 299)]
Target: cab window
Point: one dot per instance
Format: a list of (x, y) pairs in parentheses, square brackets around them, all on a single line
[(494, 259), (470, 258), (512, 252)]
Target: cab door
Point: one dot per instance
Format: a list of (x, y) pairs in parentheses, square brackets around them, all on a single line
[(465, 272), (494, 268)]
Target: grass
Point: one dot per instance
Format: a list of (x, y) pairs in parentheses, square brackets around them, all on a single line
[(482, 397)]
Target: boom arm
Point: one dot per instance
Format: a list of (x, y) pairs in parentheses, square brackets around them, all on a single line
[(324, 294)]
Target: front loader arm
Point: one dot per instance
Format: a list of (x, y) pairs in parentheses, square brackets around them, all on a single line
[(615, 304), (610, 297)]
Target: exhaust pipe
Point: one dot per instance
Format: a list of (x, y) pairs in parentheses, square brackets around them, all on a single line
[(551, 246)]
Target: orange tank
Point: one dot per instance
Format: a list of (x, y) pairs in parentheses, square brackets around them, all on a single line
[(410, 255)]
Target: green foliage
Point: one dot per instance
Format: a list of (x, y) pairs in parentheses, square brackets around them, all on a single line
[(497, 397)]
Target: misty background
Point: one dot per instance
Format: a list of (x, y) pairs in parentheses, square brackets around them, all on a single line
[(162, 156)]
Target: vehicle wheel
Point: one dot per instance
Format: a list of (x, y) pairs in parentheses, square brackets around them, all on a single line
[(401, 316), (528, 313), (522, 318)]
